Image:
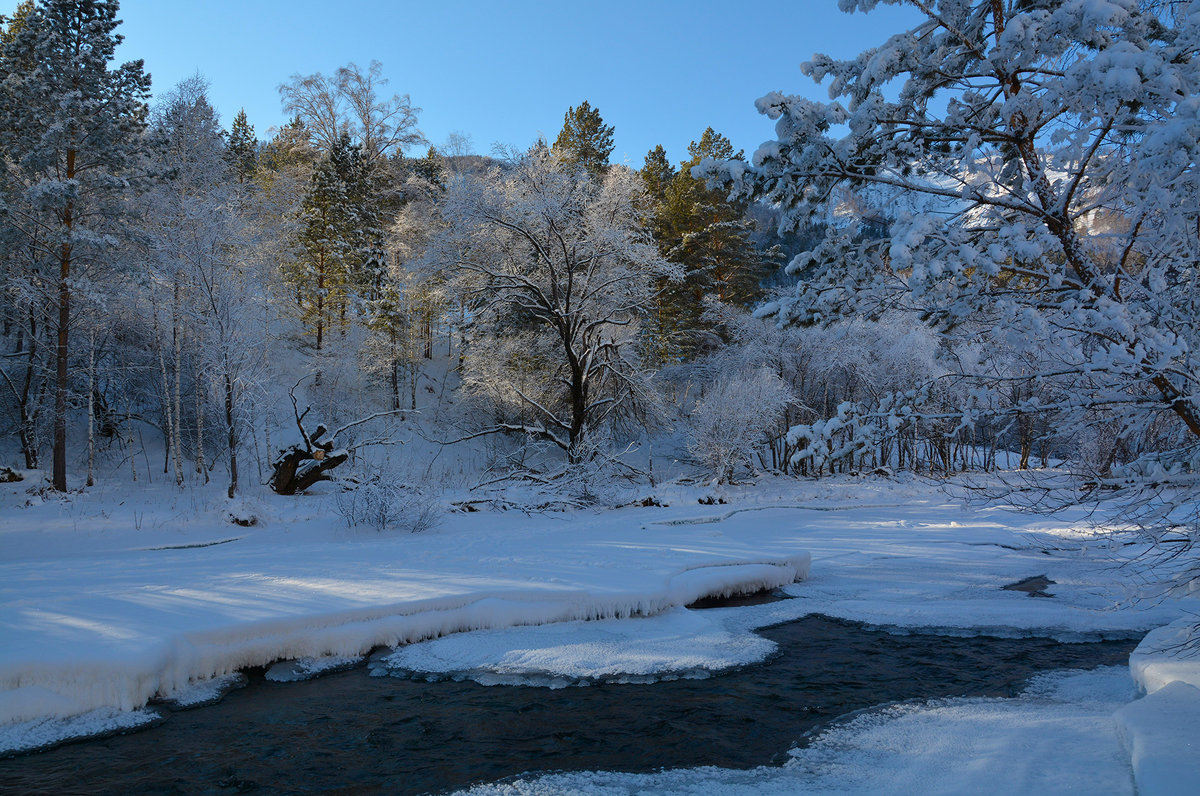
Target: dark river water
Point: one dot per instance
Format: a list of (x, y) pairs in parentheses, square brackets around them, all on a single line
[(352, 733)]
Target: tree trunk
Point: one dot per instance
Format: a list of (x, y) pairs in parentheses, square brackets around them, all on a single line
[(132, 457), (177, 398), (61, 352), (28, 403), (91, 434), (232, 429), (201, 466), (166, 396)]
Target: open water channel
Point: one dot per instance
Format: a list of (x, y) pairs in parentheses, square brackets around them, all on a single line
[(352, 733)]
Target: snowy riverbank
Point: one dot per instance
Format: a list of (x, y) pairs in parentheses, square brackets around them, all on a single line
[(105, 603)]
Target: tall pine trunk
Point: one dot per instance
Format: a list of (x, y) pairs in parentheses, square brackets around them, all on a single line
[(201, 465), (91, 434), (61, 351), (177, 397)]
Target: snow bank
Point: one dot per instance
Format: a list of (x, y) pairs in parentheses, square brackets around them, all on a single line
[(1168, 654), (677, 643), (34, 688), (1161, 732)]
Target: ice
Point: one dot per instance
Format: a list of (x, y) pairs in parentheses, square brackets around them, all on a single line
[(27, 736), (308, 668), (678, 643), (204, 692)]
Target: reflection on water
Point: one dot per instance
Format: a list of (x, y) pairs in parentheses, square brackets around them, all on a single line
[(352, 733)]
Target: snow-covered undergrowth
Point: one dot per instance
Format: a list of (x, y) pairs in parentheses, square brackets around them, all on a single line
[(109, 599)]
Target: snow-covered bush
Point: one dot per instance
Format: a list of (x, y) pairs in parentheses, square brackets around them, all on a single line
[(384, 501), (847, 382), (733, 418)]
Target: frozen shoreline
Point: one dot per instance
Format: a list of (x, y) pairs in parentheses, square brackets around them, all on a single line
[(94, 621)]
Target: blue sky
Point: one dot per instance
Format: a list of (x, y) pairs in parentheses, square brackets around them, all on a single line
[(503, 72)]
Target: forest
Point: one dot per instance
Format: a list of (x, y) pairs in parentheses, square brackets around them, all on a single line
[(767, 454), (994, 268)]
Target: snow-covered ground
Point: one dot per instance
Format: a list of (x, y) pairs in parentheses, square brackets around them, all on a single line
[(111, 598)]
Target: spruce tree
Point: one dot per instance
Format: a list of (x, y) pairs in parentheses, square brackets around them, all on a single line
[(585, 140), (242, 150), (70, 128)]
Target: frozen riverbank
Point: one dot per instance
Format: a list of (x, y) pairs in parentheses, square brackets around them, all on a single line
[(96, 613)]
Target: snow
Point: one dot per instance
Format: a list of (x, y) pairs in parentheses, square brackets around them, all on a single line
[(1168, 654), (112, 598), (150, 611), (308, 668), (204, 692), (26, 736), (677, 643), (1162, 735)]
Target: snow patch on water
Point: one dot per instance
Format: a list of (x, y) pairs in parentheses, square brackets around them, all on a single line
[(310, 667), (206, 691), (675, 644)]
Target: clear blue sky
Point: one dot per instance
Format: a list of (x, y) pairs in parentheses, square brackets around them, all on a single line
[(504, 72)]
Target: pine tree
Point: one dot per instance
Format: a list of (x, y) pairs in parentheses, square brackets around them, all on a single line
[(71, 128), (585, 140), (708, 234), (13, 25), (343, 263), (242, 150), (657, 173), (431, 168)]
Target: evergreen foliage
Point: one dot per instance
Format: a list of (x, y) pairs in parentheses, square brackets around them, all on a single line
[(70, 132), (585, 140), (707, 233), (242, 149), (341, 239)]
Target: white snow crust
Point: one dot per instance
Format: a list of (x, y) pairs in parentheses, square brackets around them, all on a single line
[(1162, 735), (308, 668), (1168, 654), (202, 692), (677, 643), (26, 736)]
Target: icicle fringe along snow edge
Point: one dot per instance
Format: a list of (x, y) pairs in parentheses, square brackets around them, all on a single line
[(36, 689)]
